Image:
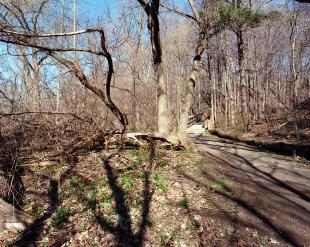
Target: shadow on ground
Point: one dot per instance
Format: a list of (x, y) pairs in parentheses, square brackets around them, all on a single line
[(123, 230), (266, 192), (32, 233)]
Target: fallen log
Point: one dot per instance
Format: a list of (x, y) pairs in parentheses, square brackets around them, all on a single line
[(301, 150), (115, 138), (165, 142)]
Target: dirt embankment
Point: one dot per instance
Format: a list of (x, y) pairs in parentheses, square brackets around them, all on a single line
[(281, 147)]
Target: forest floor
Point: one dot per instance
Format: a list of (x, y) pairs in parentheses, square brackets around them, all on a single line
[(227, 195)]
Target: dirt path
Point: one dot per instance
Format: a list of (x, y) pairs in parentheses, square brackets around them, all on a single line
[(273, 190)]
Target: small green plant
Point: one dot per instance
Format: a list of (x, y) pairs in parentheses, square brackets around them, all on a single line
[(139, 154), (78, 186), (62, 162), (127, 181), (176, 237), (162, 163), (106, 200), (49, 170), (164, 239), (45, 241), (142, 176), (222, 184), (183, 203), (102, 182), (39, 210), (94, 192), (137, 164), (195, 223), (76, 182), (60, 217), (108, 218), (160, 183)]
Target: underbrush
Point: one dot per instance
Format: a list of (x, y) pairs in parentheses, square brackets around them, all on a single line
[(150, 196)]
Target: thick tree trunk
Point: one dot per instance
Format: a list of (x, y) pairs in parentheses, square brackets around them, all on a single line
[(163, 118), (190, 89)]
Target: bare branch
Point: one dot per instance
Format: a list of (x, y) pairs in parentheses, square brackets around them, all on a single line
[(29, 40), (50, 35), (179, 12), (195, 10)]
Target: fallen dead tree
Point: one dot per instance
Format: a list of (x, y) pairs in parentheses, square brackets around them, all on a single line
[(142, 139), (302, 150), (112, 140)]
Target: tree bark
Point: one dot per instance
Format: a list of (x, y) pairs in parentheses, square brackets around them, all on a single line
[(163, 119), (191, 83), (242, 83), (190, 89)]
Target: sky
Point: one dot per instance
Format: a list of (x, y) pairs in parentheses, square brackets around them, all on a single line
[(96, 8)]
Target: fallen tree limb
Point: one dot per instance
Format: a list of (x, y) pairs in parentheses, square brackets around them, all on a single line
[(104, 140), (302, 150), (167, 142)]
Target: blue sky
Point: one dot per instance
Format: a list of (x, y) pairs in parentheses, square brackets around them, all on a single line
[(96, 8)]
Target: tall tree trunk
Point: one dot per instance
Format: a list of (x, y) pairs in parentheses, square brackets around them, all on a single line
[(59, 81), (295, 76), (242, 83), (163, 119), (190, 89), (191, 83)]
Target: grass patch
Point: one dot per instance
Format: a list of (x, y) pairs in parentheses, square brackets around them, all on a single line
[(142, 176), (183, 203), (77, 185), (160, 183), (162, 163), (222, 184), (60, 217), (195, 223), (140, 154), (106, 201), (127, 180), (38, 210)]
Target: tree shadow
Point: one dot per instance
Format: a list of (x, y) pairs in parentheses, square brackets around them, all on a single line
[(279, 147), (10, 172), (227, 193), (263, 175), (287, 205), (33, 232), (123, 230)]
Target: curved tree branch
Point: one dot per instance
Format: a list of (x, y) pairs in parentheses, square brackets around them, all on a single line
[(29, 40)]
